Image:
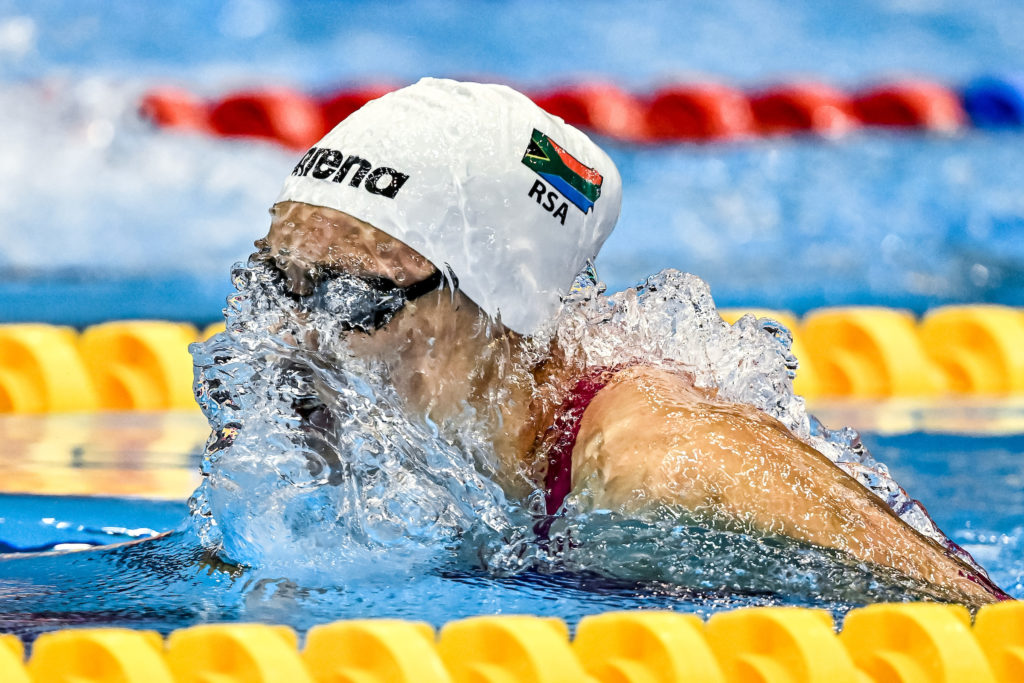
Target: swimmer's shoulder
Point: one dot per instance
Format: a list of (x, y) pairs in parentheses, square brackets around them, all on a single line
[(636, 397), (647, 383), (629, 425), (661, 391), (655, 404)]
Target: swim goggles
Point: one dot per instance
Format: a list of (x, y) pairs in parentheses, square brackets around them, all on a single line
[(367, 304)]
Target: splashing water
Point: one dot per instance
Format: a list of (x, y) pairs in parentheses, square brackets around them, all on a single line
[(315, 468), (672, 318), (372, 480)]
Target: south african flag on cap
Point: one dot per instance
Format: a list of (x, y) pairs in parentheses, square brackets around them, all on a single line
[(580, 184)]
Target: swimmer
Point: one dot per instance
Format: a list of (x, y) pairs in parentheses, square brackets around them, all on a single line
[(464, 212)]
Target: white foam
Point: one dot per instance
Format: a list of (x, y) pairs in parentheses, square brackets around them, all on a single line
[(89, 186)]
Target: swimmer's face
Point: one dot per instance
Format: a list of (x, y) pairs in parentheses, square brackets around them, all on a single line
[(304, 238), (435, 344)]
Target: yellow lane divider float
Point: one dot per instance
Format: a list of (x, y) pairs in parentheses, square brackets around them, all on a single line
[(140, 365), (869, 352), (864, 352), (42, 370), (890, 643), (978, 348)]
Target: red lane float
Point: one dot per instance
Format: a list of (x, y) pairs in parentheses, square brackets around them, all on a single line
[(698, 112), (602, 108), (910, 104), (803, 108), (289, 117), (175, 108), (673, 113)]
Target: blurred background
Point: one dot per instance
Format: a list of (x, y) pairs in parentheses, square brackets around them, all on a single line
[(105, 214), (798, 155)]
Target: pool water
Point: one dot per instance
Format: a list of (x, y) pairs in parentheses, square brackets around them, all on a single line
[(970, 482), (150, 222)]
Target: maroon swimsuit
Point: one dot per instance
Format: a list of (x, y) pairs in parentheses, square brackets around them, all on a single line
[(558, 481)]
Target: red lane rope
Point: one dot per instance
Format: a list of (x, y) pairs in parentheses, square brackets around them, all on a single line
[(695, 112)]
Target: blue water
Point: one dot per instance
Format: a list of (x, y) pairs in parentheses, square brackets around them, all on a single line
[(32, 523), (971, 484), (134, 222), (321, 43)]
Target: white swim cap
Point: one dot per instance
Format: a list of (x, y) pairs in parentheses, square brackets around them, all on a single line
[(476, 178)]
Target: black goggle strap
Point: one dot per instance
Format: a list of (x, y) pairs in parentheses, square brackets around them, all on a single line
[(398, 296), (382, 316), (432, 283)]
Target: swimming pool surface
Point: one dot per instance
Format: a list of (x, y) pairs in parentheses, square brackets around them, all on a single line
[(149, 221), (970, 482)]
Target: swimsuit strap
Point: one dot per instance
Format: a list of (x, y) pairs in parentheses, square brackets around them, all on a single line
[(566, 428)]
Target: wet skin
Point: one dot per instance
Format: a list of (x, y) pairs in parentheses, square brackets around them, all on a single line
[(649, 437)]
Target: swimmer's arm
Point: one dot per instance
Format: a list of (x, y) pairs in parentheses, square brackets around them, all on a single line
[(650, 437)]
